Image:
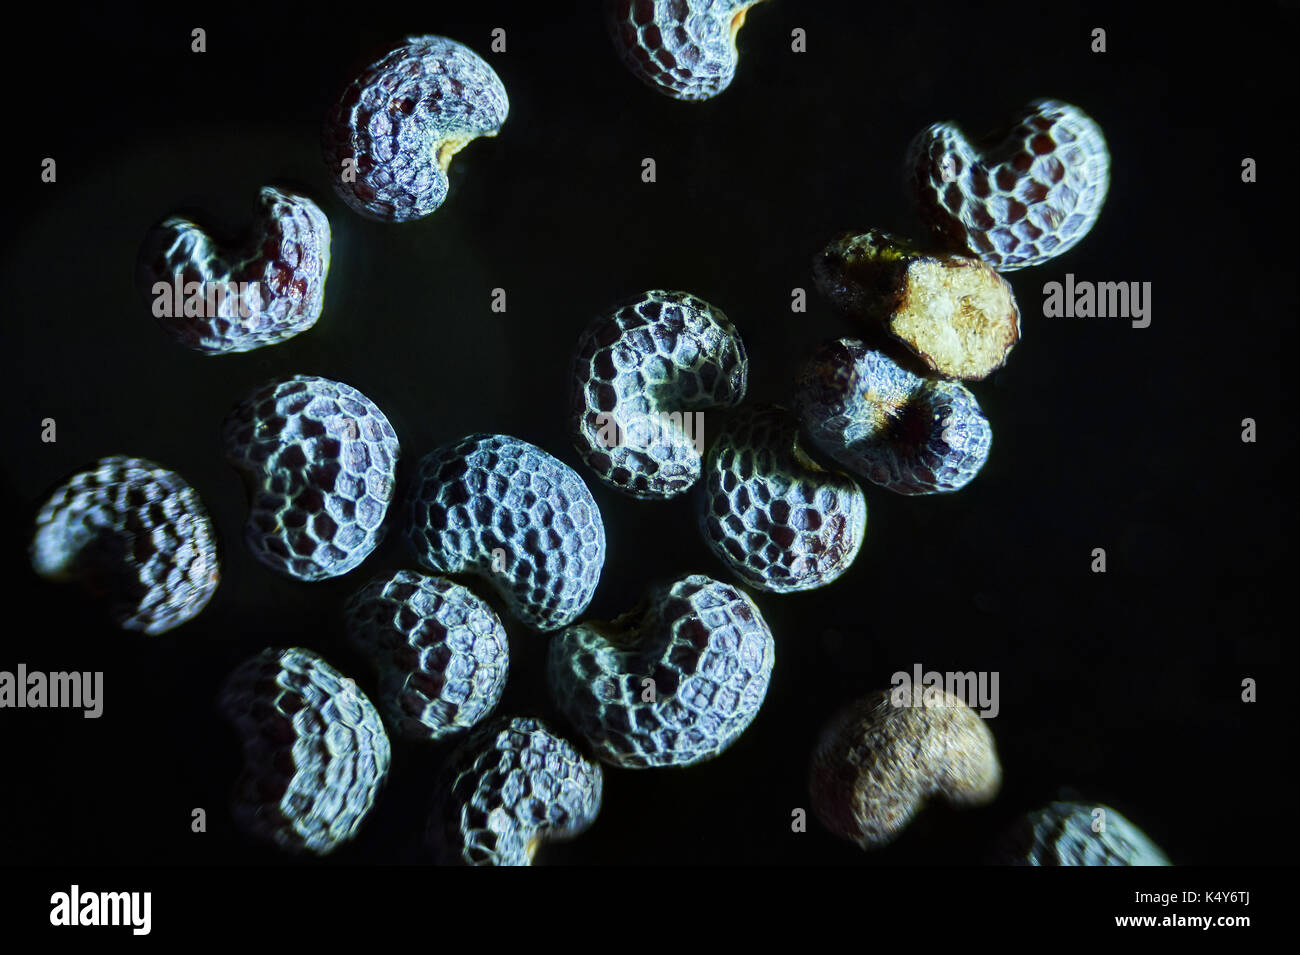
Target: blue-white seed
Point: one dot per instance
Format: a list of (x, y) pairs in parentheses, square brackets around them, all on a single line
[(441, 653), (389, 141), (643, 375), (882, 423), (510, 786), (219, 299), (685, 49), (315, 750), (777, 519), (135, 533), (673, 682), (319, 459), (502, 509), (1015, 198), (1072, 833)]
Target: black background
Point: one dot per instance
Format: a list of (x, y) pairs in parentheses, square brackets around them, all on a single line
[(1122, 688)]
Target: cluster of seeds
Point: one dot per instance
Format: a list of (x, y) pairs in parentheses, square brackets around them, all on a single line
[(678, 679), (1015, 199)]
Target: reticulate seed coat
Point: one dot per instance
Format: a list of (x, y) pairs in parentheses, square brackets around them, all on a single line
[(671, 683), (315, 750), (685, 49), (510, 787), (1071, 833), (1018, 197), (776, 518), (500, 508), (389, 141), (441, 653), (319, 459), (882, 423), (135, 533), (643, 375), (218, 299)]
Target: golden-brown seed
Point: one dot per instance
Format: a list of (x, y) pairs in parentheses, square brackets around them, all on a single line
[(955, 313), (883, 757)]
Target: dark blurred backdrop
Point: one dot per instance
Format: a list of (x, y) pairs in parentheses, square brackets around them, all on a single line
[(1122, 688)]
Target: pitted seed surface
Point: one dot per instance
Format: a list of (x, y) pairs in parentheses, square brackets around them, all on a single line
[(441, 653), (685, 49), (908, 434), (673, 682), (1018, 197), (882, 758), (319, 459), (136, 533), (398, 124), (315, 750), (511, 786), (643, 374), (777, 519), (500, 508), (1068, 833), (261, 292)]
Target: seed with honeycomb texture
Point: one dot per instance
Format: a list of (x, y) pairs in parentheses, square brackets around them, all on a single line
[(503, 509), (1071, 833), (315, 751), (133, 533), (673, 682), (685, 49), (643, 374), (319, 460), (441, 653), (218, 298), (882, 758), (510, 787), (954, 312), (777, 519), (389, 140), (882, 423), (1017, 197)]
